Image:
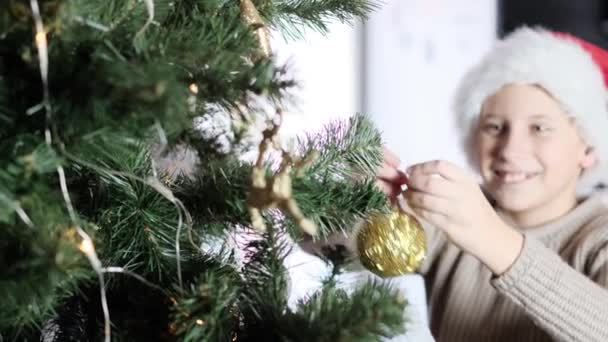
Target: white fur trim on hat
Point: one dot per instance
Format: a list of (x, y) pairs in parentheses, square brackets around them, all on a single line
[(560, 66)]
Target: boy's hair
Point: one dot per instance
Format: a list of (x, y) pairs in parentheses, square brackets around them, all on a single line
[(561, 65)]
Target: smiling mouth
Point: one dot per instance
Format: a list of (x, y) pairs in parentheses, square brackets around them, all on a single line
[(513, 177)]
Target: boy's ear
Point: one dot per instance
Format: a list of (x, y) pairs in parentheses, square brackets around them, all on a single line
[(589, 159)]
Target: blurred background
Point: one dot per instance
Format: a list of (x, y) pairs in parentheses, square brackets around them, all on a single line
[(401, 67)]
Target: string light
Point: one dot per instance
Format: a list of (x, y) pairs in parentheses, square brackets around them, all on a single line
[(23, 215), (150, 7), (114, 269), (163, 142), (200, 322), (43, 60), (93, 24), (18, 209), (193, 88), (41, 38), (86, 247)]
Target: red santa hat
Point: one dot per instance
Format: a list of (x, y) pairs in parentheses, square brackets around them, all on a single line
[(573, 71), (599, 55)]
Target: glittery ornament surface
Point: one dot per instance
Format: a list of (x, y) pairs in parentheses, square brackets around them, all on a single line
[(391, 244), (252, 18)]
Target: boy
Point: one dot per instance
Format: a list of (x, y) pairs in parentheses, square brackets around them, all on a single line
[(526, 260)]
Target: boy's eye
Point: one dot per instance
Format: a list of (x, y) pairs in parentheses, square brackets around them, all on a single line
[(541, 128), (492, 128)]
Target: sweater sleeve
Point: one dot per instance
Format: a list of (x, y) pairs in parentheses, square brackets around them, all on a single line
[(567, 304)]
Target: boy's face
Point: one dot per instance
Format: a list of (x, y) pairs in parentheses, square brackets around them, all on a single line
[(529, 151)]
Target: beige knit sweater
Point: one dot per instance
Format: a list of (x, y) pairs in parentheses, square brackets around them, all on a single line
[(555, 290)]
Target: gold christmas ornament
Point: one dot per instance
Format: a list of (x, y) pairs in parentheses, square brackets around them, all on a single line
[(252, 17), (391, 244)]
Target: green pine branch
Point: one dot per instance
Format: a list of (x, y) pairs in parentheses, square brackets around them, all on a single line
[(324, 189), (335, 206), (118, 85), (137, 224), (344, 149), (292, 17), (40, 263), (263, 299), (371, 311), (207, 310), (7, 114), (39, 266)]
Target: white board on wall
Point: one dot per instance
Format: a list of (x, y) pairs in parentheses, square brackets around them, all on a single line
[(416, 51)]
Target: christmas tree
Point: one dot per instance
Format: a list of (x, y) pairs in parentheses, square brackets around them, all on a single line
[(124, 127)]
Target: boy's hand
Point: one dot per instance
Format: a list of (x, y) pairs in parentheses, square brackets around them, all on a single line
[(447, 197), (389, 177)]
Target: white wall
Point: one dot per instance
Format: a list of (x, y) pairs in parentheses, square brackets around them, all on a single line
[(416, 51), (401, 68), (327, 68)]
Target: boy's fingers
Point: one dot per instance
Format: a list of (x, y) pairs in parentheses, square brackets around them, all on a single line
[(401, 177), (392, 175), (392, 190), (390, 157), (437, 186), (427, 201), (443, 168)]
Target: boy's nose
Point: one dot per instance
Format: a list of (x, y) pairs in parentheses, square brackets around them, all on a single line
[(511, 145)]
